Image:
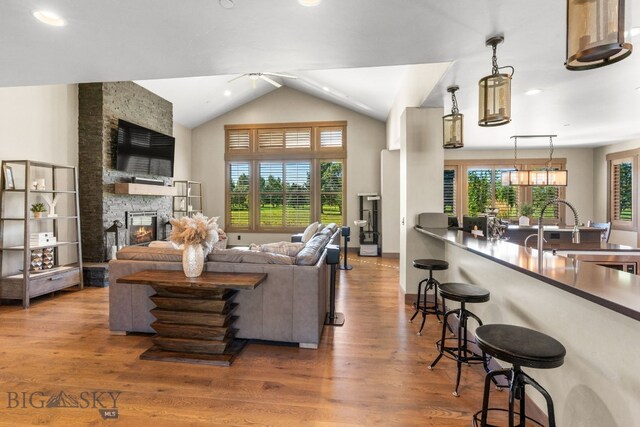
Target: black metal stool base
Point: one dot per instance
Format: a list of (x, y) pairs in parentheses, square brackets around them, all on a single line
[(336, 320), (425, 309), (477, 418)]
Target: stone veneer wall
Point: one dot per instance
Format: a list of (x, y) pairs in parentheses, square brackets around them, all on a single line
[(100, 107)]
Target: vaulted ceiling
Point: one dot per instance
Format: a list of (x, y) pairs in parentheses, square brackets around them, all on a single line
[(354, 53)]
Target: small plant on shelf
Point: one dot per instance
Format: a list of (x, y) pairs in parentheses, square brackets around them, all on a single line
[(37, 209)]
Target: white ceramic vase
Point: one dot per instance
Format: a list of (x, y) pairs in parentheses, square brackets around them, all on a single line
[(523, 221), (192, 260)]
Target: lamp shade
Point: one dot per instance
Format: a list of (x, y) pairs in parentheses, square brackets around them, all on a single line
[(556, 178), (515, 177), (452, 130), (495, 100), (595, 33)]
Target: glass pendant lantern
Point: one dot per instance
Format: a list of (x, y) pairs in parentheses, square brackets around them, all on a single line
[(595, 33), (452, 123), (495, 92)]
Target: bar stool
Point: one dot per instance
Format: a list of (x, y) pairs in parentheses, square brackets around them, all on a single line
[(429, 283), (522, 347), (461, 353)]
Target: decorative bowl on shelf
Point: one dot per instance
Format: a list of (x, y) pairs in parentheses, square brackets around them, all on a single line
[(360, 222)]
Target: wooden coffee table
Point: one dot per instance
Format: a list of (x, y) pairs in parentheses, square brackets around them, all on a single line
[(194, 315)]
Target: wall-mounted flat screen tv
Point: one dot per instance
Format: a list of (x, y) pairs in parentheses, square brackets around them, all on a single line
[(142, 151)]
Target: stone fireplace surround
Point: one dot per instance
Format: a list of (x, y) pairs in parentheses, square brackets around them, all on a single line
[(100, 107)]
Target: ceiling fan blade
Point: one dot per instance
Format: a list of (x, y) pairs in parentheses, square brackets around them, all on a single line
[(237, 77), (288, 76), (273, 82)]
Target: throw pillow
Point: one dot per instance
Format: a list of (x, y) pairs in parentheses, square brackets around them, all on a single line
[(282, 248), (309, 232)]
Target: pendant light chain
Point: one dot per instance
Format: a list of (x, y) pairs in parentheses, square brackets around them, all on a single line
[(494, 60), (454, 103), (550, 153), (515, 153)]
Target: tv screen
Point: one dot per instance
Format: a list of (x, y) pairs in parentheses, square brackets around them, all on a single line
[(142, 151)]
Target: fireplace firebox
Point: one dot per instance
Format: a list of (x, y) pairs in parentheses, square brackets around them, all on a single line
[(142, 227)]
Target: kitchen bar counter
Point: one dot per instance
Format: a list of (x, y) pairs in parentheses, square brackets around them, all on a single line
[(593, 311), (607, 287)]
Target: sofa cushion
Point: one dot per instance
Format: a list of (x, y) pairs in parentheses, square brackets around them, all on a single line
[(309, 232), (144, 253), (283, 248), (311, 252), (250, 257)]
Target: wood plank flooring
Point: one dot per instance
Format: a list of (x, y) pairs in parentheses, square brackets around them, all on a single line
[(371, 371)]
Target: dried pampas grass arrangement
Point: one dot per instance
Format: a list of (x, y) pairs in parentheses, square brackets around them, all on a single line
[(197, 230)]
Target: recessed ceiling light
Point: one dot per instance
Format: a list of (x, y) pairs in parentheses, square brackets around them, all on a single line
[(49, 18), (309, 3), (326, 89), (227, 4), (533, 91), (227, 92)]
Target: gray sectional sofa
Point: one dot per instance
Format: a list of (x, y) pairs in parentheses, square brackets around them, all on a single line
[(290, 306)]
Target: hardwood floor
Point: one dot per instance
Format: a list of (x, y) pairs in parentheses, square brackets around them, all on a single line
[(371, 371)]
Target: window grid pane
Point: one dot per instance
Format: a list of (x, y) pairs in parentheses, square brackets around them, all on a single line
[(623, 191), (450, 192), (271, 194), (479, 190), (298, 138), (331, 192), (331, 138), (506, 197), (298, 191), (239, 180)]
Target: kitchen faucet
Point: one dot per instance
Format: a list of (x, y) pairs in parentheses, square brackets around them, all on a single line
[(575, 234)]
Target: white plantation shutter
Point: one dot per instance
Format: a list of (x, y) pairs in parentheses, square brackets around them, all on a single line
[(331, 137), (298, 191), (621, 194), (238, 140), (450, 192), (238, 190)]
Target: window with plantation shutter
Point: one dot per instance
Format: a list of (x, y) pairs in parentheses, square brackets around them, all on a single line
[(478, 185), (331, 138), (282, 177), (238, 140)]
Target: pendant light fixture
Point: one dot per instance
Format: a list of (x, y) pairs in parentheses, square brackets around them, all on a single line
[(548, 176), (595, 33), (495, 92), (515, 177), (452, 123)]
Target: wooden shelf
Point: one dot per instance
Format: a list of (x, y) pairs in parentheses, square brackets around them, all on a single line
[(144, 189), (52, 245)]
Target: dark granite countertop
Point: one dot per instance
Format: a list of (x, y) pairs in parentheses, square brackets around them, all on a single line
[(616, 290)]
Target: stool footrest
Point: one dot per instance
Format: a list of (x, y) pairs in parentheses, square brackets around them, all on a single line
[(467, 356), (477, 418)]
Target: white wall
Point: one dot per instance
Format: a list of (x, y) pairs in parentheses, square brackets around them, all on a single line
[(39, 123), (579, 164), (390, 192), (414, 89), (365, 140), (182, 160), (421, 185), (600, 189)]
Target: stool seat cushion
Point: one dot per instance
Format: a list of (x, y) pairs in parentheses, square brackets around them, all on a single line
[(521, 346), (430, 264), (464, 292)]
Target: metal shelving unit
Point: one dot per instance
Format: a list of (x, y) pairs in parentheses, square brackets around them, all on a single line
[(189, 200), (28, 270)]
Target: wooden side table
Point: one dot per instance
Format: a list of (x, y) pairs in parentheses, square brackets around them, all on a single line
[(194, 315)]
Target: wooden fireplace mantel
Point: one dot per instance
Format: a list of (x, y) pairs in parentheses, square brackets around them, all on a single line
[(145, 189)]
